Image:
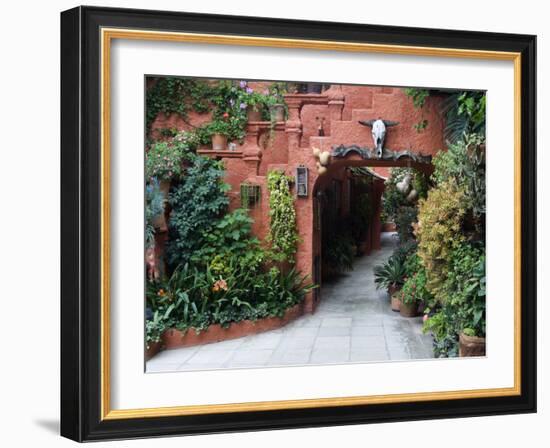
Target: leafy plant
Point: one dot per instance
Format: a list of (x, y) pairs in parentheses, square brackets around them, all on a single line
[(405, 217), (465, 114), (230, 126), (229, 238), (176, 95), (439, 231), (465, 288), (461, 305), (338, 253), (164, 160), (464, 162), (360, 216), (154, 328), (414, 288), (252, 98), (417, 95), (283, 236), (197, 204), (391, 274)]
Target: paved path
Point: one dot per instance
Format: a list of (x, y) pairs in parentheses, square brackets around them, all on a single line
[(353, 323)]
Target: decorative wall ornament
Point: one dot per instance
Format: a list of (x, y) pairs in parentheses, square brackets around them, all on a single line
[(366, 153), (323, 159), (379, 127)]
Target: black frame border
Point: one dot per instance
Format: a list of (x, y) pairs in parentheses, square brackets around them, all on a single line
[(81, 223)]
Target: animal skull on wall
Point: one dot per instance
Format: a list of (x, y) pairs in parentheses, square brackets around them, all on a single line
[(378, 132)]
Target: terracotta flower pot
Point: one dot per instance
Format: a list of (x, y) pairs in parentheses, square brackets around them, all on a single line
[(219, 142), (395, 302), (154, 348), (277, 112), (408, 309), (470, 346), (253, 115)]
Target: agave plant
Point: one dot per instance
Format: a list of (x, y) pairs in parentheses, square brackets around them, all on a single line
[(391, 274)]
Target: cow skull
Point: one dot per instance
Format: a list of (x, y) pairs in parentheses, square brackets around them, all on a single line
[(378, 133)]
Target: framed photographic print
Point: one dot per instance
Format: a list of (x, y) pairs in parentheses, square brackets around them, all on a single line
[(277, 224)]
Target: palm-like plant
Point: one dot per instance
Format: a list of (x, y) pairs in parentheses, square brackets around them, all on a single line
[(465, 113), (391, 274)]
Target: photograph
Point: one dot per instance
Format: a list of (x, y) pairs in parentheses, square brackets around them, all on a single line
[(292, 223)]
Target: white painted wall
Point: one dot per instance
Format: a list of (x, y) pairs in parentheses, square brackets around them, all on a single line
[(29, 164)]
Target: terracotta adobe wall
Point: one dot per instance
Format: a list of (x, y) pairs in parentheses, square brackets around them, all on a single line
[(290, 145)]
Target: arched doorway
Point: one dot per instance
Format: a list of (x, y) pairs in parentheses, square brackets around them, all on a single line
[(351, 183)]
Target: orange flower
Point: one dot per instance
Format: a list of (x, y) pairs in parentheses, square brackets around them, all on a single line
[(220, 284), (161, 292)]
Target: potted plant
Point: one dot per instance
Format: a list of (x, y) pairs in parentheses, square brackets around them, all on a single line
[(163, 163), (414, 291), (391, 276), (219, 131), (409, 303), (276, 103), (469, 344), (253, 101), (472, 312)]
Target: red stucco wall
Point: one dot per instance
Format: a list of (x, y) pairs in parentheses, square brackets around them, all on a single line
[(290, 145)]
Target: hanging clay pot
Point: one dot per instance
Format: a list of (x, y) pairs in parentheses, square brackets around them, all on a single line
[(412, 195), (324, 158), (403, 186)]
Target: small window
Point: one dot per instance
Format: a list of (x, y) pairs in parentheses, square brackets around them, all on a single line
[(301, 181), (250, 195)]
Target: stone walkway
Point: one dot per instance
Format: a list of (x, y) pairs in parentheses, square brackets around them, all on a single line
[(353, 323)]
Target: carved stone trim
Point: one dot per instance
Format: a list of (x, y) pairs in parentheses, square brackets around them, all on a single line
[(341, 151)]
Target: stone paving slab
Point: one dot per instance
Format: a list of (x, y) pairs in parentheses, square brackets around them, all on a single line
[(353, 323)]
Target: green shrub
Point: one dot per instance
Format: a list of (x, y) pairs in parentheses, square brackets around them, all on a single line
[(439, 232), (464, 162), (405, 217), (462, 301), (360, 216), (164, 160), (229, 238), (465, 288), (414, 288), (390, 274), (283, 236), (338, 253), (197, 204)]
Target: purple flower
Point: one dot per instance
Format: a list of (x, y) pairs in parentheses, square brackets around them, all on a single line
[(243, 106), (242, 84), (249, 90)]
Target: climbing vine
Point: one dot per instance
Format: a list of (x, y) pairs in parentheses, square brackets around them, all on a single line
[(283, 235), (176, 95)]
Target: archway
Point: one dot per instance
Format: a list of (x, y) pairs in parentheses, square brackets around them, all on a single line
[(352, 181)]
